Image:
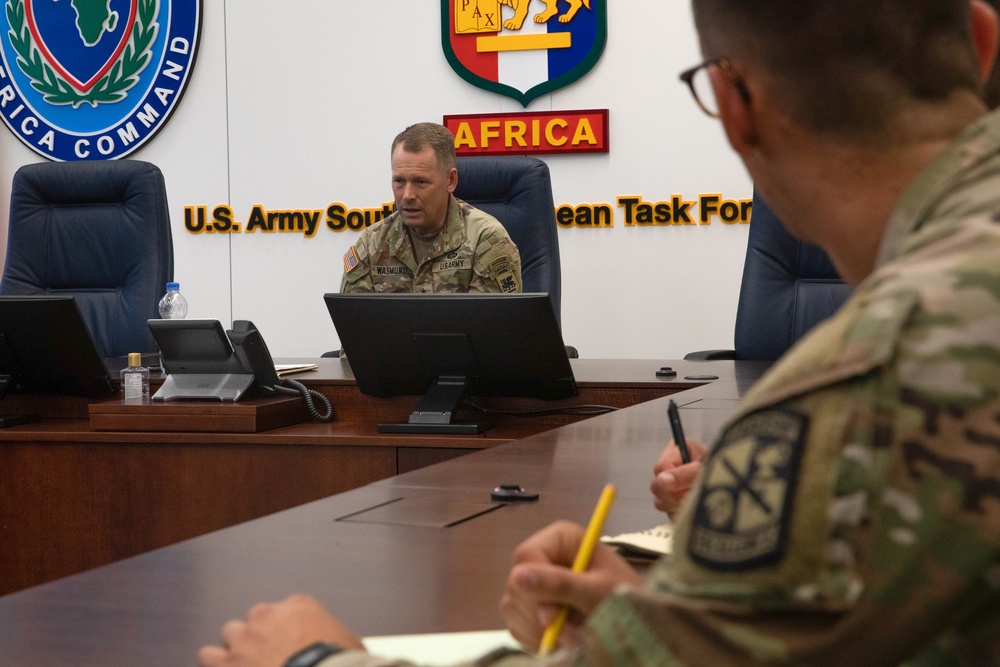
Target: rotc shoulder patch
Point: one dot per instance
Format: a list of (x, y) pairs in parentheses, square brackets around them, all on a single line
[(350, 260), (741, 517)]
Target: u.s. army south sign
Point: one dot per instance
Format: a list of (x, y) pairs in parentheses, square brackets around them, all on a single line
[(94, 79)]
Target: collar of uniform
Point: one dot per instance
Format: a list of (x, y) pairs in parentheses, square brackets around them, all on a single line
[(452, 234), (400, 239), (978, 143)]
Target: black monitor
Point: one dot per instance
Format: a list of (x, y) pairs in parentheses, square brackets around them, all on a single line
[(444, 346), (46, 347)]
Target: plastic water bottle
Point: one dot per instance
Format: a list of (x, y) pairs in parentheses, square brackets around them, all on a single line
[(173, 305)]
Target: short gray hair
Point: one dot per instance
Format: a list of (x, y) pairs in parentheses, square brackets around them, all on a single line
[(416, 137)]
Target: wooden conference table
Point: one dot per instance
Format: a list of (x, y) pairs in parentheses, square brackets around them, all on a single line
[(422, 551)]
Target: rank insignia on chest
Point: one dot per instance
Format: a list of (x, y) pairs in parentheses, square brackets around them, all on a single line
[(747, 490)]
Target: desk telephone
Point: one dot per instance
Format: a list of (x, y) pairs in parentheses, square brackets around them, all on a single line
[(204, 361), (253, 354)]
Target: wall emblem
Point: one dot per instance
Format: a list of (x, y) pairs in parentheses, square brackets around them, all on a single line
[(523, 48), (94, 79)]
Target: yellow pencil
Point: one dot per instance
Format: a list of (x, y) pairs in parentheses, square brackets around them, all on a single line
[(581, 563)]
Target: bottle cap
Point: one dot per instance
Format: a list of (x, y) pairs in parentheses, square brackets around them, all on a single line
[(171, 286), (134, 359)]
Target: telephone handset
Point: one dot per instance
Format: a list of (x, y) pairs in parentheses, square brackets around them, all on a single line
[(252, 352)]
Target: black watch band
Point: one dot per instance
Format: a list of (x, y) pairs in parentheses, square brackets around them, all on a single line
[(311, 655)]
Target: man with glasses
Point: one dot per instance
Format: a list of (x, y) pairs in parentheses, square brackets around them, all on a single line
[(849, 514), (672, 478)]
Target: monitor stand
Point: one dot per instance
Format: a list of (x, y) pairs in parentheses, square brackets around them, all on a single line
[(6, 384), (437, 409)]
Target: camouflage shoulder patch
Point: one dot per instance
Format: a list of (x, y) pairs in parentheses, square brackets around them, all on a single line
[(501, 270), (351, 260), (741, 520)]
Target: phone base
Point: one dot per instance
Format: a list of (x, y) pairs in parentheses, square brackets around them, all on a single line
[(226, 387)]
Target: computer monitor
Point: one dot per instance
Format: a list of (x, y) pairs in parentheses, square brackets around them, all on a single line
[(444, 346), (46, 347)]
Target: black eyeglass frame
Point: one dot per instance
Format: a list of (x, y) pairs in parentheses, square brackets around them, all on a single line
[(687, 76)]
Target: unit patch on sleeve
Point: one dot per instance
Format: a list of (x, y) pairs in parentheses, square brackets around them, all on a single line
[(508, 283), (501, 271), (747, 490)]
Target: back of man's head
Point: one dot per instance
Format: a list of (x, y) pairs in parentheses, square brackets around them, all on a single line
[(416, 137), (845, 67)]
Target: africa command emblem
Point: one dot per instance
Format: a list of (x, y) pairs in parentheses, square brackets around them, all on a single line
[(523, 48), (94, 79)]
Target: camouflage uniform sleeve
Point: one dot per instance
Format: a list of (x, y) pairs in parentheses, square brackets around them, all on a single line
[(847, 516), (357, 268), (497, 264)]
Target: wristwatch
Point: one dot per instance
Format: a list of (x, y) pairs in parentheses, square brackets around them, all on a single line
[(311, 655)]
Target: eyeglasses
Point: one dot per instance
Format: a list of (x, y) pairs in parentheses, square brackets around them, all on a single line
[(700, 84)]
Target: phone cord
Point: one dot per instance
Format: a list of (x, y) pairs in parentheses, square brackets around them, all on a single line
[(308, 395)]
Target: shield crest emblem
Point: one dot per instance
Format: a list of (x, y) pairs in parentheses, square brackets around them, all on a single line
[(523, 48), (94, 79), (81, 39)]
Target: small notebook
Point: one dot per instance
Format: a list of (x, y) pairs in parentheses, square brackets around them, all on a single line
[(645, 545), (289, 369), (440, 648)]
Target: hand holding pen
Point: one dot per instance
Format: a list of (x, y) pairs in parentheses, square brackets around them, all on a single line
[(675, 427), (677, 468)]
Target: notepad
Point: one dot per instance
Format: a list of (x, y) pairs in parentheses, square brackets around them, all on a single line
[(443, 648), (287, 369), (644, 545)]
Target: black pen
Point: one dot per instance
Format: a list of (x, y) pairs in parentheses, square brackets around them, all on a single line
[(675, 426)]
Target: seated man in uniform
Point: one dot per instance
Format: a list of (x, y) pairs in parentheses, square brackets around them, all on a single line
[(849, 513), (433, 242)]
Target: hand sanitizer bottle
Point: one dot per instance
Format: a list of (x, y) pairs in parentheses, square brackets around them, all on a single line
[(135, 379)]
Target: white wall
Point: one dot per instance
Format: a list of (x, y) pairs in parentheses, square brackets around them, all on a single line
[(293, 105)]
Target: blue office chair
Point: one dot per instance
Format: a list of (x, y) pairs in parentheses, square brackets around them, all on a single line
[(788, 288), (99, 231), (517, 191)]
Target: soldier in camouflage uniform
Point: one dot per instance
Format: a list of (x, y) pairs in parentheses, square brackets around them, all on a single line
[(849, 514), (433, 242)]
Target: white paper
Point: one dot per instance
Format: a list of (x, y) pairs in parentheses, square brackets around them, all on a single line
[(443, 648)]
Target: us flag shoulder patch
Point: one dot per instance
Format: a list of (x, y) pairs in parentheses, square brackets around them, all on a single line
[(350, 260)]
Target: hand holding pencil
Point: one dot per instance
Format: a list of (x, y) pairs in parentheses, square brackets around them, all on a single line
[(542, 582), (580, 564)]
